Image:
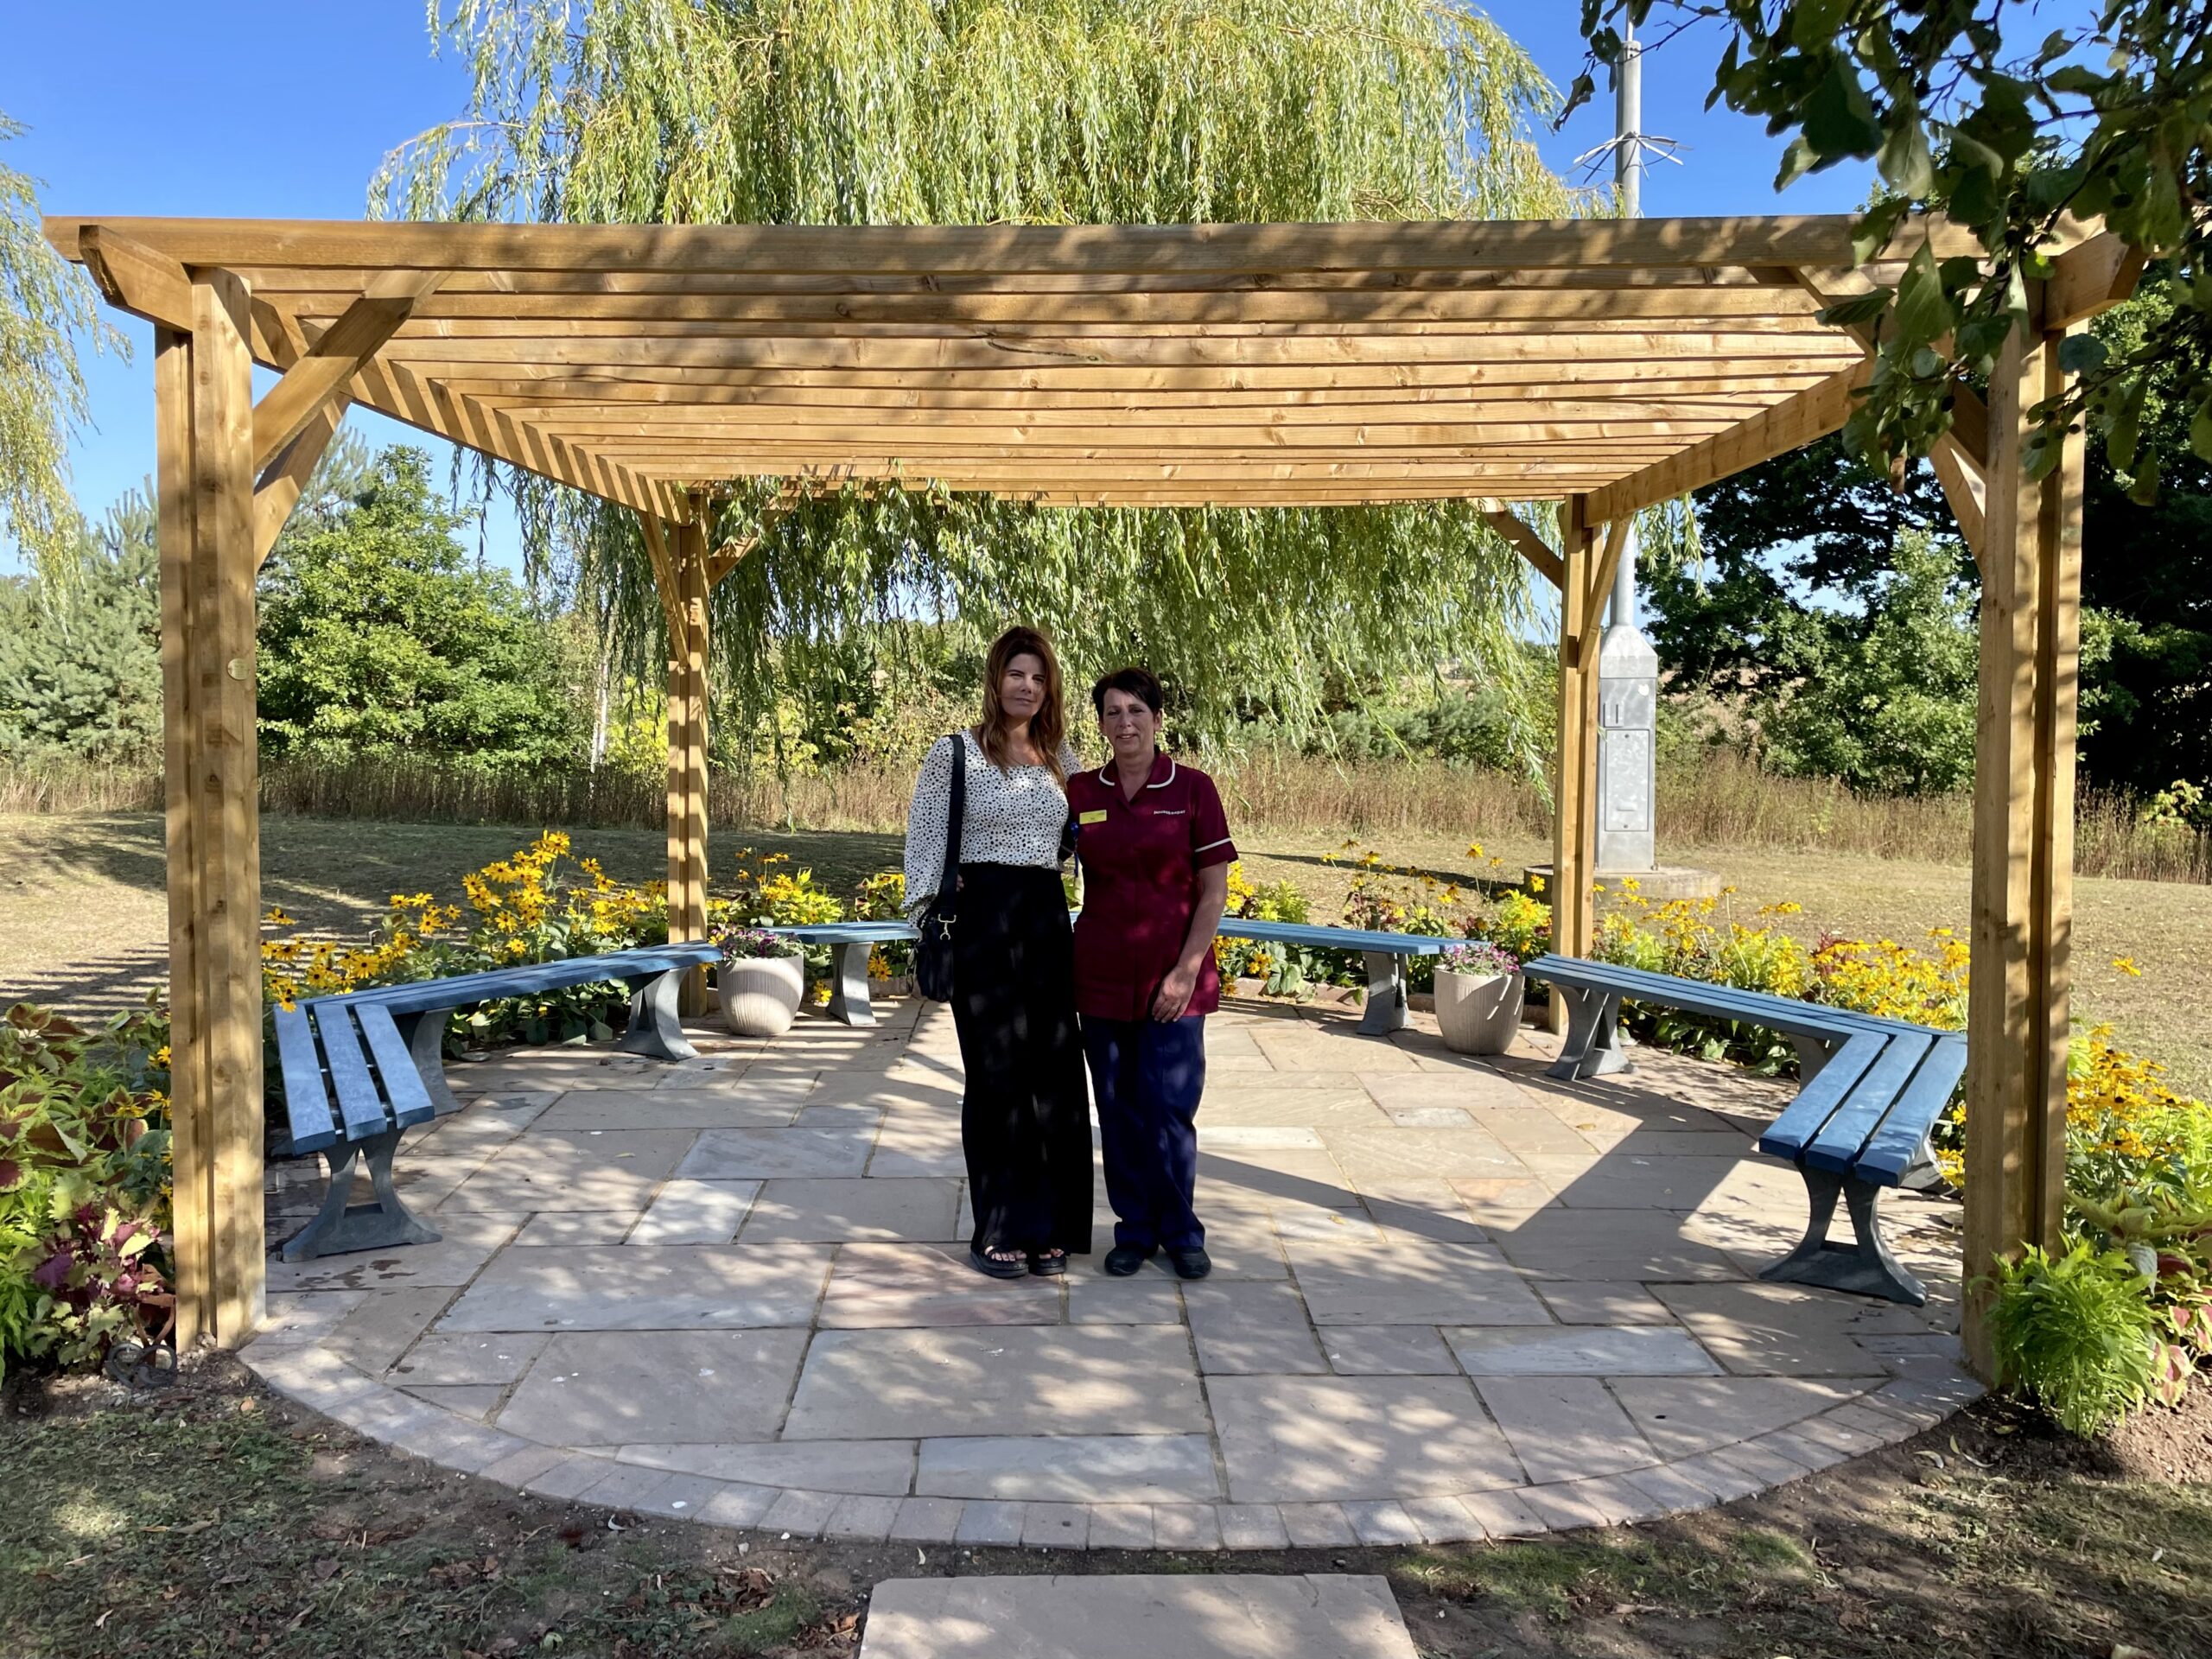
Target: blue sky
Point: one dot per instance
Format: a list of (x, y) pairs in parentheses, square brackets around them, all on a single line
[(283, 112)]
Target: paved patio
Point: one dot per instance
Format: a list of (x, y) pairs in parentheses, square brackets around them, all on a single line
[(1451, 1299)]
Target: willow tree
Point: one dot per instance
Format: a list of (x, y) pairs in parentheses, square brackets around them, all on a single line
[(1039, 112), (46, 308)]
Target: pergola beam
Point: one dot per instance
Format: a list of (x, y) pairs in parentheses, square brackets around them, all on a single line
[(338, 353), (1224, 251), (1524, 541), (278, 489)]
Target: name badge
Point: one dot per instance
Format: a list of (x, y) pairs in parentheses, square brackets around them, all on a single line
[(1091, 817)]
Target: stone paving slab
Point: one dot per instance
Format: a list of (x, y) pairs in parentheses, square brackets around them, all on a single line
[(766, 1155), (736, 1290), (1198, 1615), (1416, 1283), (606, 1387), (1020, 1379), (644, 1287), (1070, 1468), (870, 1466), (839, 1210), (1306, 1438), (578, 1170), (1578, 1351)]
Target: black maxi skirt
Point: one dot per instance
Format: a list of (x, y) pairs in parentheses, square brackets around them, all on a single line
[(1025, 1123)]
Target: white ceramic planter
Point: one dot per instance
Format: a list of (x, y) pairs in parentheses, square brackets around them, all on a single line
[(1477, 1013), (760, 994)]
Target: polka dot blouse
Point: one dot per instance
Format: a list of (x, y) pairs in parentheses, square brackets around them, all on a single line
[(1014, 816)]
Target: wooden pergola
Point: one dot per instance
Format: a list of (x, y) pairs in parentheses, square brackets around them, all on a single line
[(1604, 365)]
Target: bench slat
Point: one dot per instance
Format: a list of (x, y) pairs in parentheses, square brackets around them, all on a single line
[(1836, 1147), (847, 933), (1818, 1100), (403, 1083), (1725, 1001), (307, 1104), (358, 1100), (1894, 1147), (1336, 938)]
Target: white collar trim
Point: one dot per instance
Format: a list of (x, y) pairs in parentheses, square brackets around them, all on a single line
[(1106, 774)]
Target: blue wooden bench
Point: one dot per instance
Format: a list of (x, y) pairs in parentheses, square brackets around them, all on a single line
[(854, 944), (1383, 954), (362, 1067), (1870, 1090)]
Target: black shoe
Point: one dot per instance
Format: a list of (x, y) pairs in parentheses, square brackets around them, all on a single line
[(1191, 1264), (1125, 1259), (1051, 1264)]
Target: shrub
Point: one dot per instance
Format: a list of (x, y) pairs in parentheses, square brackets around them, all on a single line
[(84, 1185), (2076, 1333)]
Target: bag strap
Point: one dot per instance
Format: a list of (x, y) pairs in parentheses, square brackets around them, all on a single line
[(948, 887)]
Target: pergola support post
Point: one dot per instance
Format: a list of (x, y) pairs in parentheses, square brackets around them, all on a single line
[(1574, 811), (2022, 919), (204, 424), (687, 748)]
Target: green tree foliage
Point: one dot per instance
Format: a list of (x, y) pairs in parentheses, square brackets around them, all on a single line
[(1883, 698), (1817, 519), (81, 673), (1731, 622), (1967, 106), (378, 638), (1051, 112), (2147, 584), (45, 308)]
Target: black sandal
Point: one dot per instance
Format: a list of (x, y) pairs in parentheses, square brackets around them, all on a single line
[(1048, 1264), (985, 1265)]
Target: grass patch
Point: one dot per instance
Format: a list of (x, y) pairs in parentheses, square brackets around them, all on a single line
[(212, 1524)]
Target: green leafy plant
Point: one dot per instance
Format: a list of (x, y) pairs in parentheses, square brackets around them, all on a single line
[(84, 1184), (2077, 1333)]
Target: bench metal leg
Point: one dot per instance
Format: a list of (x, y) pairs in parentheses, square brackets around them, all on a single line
[(1593, 1035), (1813, 1053), (425, 1036), (849, 993), (340, 1227), (1386, 994), (1863, 1267), (654, 1029)]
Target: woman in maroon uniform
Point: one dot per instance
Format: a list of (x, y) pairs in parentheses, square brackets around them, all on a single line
[(1155, 850)]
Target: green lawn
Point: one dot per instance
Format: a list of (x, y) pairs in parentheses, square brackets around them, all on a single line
[(82, 917)]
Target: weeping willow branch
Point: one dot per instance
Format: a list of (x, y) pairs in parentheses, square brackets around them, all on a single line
[(1049, 111)]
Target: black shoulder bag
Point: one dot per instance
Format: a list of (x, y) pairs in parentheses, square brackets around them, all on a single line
[(933, 951)]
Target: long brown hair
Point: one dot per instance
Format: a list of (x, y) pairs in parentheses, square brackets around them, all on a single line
[(1047, 726)]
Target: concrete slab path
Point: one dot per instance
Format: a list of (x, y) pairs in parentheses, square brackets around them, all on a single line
[(1198, 1616)]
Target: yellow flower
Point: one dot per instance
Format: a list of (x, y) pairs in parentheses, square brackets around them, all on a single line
[(2126, 965), (276, 917)]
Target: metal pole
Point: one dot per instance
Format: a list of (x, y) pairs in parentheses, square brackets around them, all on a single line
[(1628, 175)]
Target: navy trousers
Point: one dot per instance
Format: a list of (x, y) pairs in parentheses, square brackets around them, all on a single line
[(1146, 1075)]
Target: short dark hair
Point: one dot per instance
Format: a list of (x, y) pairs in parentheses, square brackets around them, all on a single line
[(1136, 681)]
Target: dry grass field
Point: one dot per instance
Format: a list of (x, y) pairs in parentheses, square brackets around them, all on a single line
[(82, 917)]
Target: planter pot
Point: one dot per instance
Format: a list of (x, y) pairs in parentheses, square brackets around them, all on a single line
[(760, 994), (1477, 1013)]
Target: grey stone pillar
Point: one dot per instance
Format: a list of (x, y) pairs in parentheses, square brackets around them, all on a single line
[(1628, 701)]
